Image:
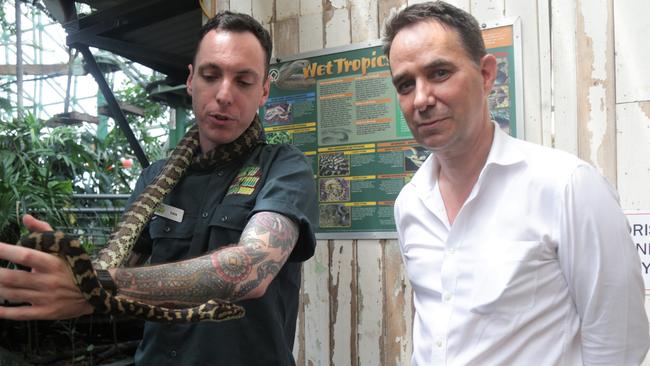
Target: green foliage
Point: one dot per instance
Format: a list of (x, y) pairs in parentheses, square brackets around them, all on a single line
[(7, 27), (115, 147), (38, 169), (41, 167)]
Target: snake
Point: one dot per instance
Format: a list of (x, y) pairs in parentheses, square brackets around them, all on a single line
[(292, 76), (128, 230)]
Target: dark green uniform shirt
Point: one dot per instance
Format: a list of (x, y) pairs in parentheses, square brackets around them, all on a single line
[(216, 206)]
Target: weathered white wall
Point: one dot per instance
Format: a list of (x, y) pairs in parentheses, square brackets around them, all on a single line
[(586, 90)]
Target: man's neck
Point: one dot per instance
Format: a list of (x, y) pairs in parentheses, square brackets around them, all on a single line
[(206, 145), (459, 172)]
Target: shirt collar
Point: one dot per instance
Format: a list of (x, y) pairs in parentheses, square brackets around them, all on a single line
[(502, 152)]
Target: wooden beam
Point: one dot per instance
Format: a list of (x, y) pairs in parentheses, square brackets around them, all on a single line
[(125, 107), (9, 69), (71, 118)]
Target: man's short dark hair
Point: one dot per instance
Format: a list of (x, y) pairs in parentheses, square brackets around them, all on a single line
[(237, 22), (446, 15)]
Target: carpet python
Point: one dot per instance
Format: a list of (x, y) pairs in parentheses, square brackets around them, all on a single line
[(130, 227)]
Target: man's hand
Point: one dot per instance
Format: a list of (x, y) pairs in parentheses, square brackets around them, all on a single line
[(49, 287)]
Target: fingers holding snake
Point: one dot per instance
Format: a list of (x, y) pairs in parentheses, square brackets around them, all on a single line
[(48, 288)]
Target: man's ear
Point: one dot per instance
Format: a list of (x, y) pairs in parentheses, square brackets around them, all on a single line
[(267, 89), (488, 71), (188, 82)]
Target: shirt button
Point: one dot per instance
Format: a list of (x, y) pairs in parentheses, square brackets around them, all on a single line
[(167, 229), (438, 343), (446, 297), (204, 215), (452, 250), (172, 353), (219, 173), (224, 218)]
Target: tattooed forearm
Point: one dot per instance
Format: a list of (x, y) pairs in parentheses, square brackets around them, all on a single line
[(231, 273), (179, 284), (265, 270)]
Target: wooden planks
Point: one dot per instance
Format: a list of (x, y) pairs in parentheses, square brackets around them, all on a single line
[(633, 152), (564, 71), (316, 302), (632, 103), (336, 22), (370, 290), (343, 306), (363, 20), (632, 50), (398, 308), (357, 306), (311, 25), (595, 86)]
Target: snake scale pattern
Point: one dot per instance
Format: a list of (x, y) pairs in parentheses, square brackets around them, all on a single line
[(130, 227)]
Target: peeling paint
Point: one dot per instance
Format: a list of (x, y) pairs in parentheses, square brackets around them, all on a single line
[(337, 29), (597, 125), (594, 15), (595, 90), (338, 4), (328, 11), (286, 37), (386, 9), (645, 108), (320, 268)]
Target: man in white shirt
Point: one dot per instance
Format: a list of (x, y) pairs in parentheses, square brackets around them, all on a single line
[(518, 254)]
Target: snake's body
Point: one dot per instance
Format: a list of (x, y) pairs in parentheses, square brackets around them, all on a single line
[(129, 229)]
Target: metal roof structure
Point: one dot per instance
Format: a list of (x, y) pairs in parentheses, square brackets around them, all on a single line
[(159, 34)]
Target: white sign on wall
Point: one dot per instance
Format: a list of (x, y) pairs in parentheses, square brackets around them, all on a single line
[(640, 230)]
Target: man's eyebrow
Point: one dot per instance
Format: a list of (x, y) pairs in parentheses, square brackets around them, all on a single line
[(209, 66), (437, 63), (397, 79)]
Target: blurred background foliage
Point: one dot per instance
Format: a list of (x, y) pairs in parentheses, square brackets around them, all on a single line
[(41, 167)]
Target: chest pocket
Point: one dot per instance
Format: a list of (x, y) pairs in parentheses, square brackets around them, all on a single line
[(227, 223), (171, 240), (505, 278)]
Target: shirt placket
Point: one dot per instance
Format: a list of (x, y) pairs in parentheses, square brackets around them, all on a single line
[(448, 274)]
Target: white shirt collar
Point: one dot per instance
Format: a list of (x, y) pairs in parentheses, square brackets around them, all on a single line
[(501, 153)]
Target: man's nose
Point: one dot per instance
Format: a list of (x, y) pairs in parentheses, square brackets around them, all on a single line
[(424, 96), (224, 92)]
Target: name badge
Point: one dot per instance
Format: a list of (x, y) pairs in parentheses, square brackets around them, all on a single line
[(169, 212)]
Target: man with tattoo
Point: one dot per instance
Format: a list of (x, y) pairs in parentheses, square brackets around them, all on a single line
[(235, 230)]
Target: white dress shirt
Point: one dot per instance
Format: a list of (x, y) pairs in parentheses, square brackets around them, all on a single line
[(538, 268)]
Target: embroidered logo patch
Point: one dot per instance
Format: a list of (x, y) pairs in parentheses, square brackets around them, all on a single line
[(246, 181)]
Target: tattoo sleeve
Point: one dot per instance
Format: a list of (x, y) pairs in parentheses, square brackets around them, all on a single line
[(232, 273)]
